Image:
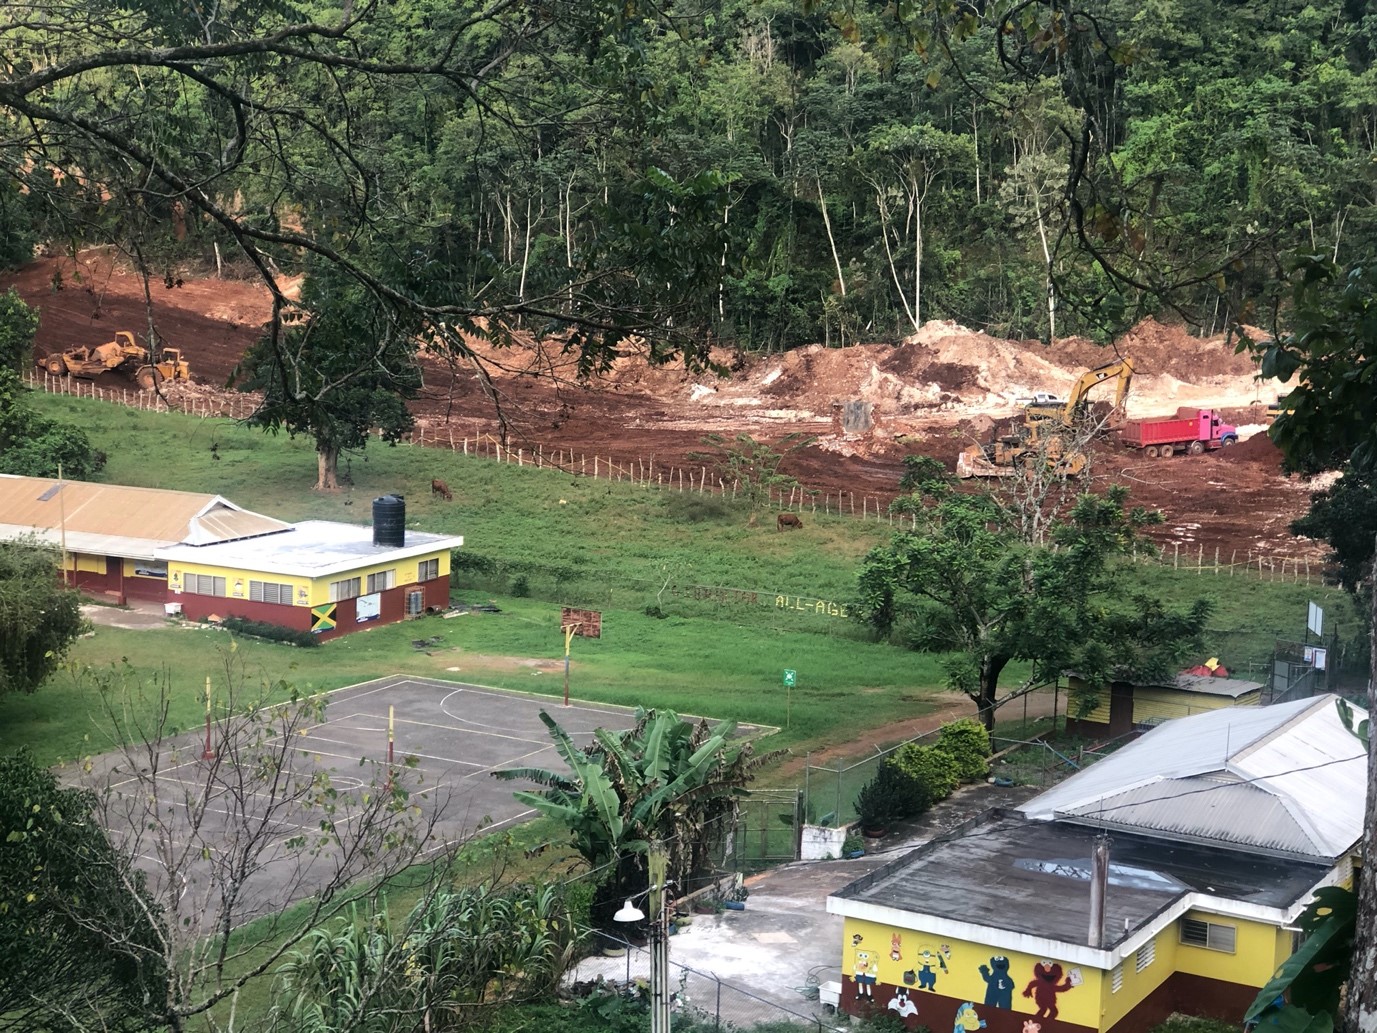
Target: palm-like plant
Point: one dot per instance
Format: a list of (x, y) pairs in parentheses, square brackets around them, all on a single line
[(667, 780)]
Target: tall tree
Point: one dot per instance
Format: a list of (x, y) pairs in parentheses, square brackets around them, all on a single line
[(1329, 420), (344, 370), (964, 582), (40, 617)]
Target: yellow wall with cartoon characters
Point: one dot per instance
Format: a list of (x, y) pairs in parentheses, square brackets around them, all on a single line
[(1125, 987), (952, 968)]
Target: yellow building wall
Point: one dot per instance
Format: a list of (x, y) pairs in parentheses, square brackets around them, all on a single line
[(82, 562), (1100, 715), (236, 581), (305, 591), (408, 573), (1258, 949), (1136, 985), (1164, 703), (962, 979)]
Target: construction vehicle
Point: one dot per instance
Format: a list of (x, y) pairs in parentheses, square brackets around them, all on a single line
[(1046, 431), (170, 366), (124, 355), (1190, 430)]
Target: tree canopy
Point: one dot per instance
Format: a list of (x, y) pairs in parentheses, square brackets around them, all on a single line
[(964, 582), (39, 616), (65, 887)]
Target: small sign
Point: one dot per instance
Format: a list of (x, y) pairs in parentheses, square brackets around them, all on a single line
[(1314, 619), (587, 623), (790, 679)]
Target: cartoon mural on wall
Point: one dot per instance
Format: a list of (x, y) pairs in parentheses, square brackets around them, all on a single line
[(967, 1019), (896, 951), (999, 985), (1032, 1027), (929, 963), (901, 1003), (1046, 984), (866, 969)]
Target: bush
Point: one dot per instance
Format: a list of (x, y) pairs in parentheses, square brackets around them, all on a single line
[(271, 632), (931, 768), (967, 743), (891, 795)]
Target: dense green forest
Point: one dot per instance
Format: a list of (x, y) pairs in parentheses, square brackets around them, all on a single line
[(761, 171)]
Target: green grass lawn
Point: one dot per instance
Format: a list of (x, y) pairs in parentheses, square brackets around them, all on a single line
[(741, 603)]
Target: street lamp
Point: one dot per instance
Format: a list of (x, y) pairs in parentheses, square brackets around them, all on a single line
[(658, 907)]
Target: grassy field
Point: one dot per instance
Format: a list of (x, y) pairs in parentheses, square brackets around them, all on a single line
[(741, 603)]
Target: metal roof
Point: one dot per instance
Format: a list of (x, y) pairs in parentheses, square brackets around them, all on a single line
[(1231, 687), (312, 548), (1288, 779), (117, 520)]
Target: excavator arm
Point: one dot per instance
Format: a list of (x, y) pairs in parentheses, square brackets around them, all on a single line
[(1119, 369)]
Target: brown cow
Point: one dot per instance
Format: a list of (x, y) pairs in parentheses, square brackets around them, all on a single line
[(438, 487), (787, 522)]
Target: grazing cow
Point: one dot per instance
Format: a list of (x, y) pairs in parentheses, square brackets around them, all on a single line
[(787, 522), (439, 487)]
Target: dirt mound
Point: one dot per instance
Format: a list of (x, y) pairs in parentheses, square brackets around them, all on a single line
[(1257, 450)]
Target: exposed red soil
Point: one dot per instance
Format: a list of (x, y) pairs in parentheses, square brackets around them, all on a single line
[(934, 394)]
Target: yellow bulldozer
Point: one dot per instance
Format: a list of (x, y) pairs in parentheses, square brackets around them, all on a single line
[(123, 354), (1047, 432)]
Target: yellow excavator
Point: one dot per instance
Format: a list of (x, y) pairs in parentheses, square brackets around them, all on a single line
[(1046, 431)]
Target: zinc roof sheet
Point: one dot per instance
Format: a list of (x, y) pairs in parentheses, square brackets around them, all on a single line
[(108, 516), (1288, 778)]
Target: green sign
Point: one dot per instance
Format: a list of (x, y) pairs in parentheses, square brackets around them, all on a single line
[(790, 678)]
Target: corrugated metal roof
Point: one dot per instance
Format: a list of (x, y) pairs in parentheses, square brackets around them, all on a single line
[(1288, 778), (1231, 687), (111, 514)]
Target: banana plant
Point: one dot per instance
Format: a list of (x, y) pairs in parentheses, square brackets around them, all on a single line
[(667, 779)]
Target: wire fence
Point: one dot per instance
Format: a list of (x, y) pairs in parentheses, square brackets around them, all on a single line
[(1221, 562), (829, 790), (699, 1001), (649, 471)]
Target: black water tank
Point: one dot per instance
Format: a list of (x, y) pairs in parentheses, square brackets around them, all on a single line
[(389, 521)]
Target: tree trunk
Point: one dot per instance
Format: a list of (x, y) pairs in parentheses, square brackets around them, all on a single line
[(327, 466), (988, 690), (1360, 1015)]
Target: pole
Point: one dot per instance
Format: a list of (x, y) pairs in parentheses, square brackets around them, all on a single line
[(569, 630), (390, 735), (658, 862), (209, 752), (1099, 880)]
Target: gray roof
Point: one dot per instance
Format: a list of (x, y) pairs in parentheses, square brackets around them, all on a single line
[(312, 548), (1210, 685), (1288, 779), (1032, 877)]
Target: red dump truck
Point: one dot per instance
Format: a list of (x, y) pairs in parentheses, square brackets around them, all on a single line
[(1190, 430)]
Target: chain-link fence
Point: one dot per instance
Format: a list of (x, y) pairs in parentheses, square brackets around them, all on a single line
[(829, 790), (699, 1001), (1038, 762)]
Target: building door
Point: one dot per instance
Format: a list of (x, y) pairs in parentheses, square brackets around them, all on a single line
[(415, 603)]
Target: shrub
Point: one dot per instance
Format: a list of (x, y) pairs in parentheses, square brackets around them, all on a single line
[(521, 586), (929, 767), (967, 743), (271, 632), (891, 795)]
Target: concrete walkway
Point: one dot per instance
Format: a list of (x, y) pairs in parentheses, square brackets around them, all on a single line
[(765, 963)]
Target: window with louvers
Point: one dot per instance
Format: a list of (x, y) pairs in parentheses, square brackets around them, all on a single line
[(1209, 935), (270, 592), (203, 584)]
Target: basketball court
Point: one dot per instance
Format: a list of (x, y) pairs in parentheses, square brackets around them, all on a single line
[(446, 740)]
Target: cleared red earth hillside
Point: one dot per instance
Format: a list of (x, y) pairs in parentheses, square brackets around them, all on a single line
[(935, 393)]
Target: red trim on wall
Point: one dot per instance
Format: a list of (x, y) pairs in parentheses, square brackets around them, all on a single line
[(391, 607), (109, 585), (937, 1012), (1190, 995)]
